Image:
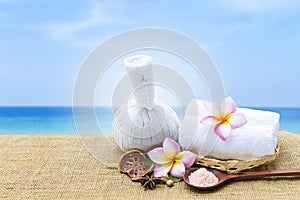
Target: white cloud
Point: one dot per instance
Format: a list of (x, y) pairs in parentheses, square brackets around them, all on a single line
[(259, 6), (86, 43), (98, 16), (78, 33)]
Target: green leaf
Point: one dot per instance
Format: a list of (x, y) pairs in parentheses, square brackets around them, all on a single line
[(176, 180), (112, 165)]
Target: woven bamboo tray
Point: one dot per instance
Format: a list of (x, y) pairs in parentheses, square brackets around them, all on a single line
[(236, 166)]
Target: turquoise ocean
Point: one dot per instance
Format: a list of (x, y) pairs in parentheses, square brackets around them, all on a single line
[(59, 120)]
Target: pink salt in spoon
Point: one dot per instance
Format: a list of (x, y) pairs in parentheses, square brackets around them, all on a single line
[(223, 177)]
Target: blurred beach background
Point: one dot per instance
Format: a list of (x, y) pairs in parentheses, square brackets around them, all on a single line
[(59, 120), (254, 44)]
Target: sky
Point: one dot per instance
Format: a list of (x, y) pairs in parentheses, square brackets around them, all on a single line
[(254, 44)]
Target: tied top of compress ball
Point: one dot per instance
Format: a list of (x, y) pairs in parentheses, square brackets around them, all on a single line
[(139, 69)]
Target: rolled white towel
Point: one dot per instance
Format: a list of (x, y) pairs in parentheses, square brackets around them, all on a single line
[(260, 117), (253, 140)]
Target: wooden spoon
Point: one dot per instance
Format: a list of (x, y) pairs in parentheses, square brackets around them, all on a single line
[(223, 177)]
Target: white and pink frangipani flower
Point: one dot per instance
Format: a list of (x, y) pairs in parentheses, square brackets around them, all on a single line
[(224, 117), (169, 159)]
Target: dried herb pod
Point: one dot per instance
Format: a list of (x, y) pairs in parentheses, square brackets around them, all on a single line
[(169, 183), (149, 182), (135, 164)]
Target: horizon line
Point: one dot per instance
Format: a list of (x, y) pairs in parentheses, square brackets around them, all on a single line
[(107, 106)]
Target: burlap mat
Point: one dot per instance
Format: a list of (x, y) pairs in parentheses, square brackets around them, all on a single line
[(59, 167)]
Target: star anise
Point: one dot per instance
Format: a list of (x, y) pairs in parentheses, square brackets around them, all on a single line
[(149, 182)]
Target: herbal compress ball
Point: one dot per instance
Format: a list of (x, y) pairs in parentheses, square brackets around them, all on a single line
[(144, 123)]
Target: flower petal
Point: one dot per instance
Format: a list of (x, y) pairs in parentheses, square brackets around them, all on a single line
[(209, 120), (161, 169), (158, 156), (237, 120), (178, 169), (223, 130), (171, 148), (212, 107), (227, 107), (188, 158)]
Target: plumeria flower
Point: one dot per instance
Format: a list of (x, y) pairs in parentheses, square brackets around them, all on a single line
[(224, 117), (169, 159)]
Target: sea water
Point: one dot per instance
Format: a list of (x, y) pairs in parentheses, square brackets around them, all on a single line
[(60, 120)]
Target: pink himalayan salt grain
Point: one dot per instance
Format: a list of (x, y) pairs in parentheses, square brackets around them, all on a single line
[(203, 178)]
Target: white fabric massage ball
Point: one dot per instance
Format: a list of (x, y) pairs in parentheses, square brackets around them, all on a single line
[(144, 123)]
